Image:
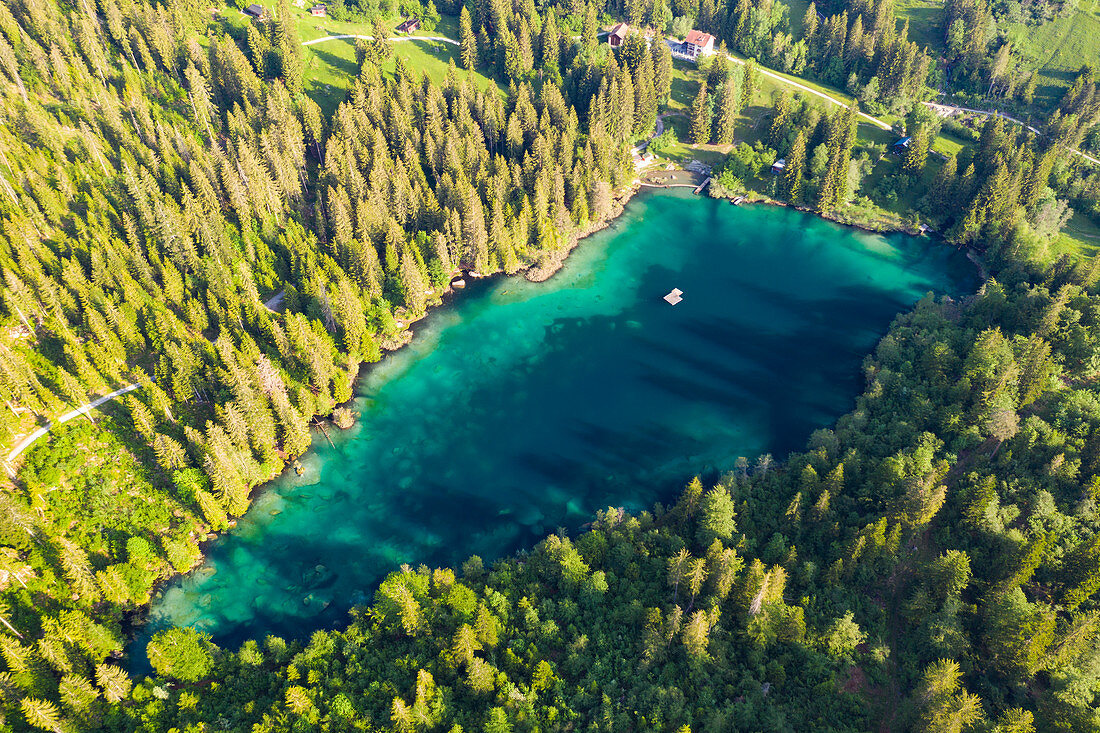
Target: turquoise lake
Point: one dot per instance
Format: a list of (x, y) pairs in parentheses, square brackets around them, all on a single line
[(521, 407)]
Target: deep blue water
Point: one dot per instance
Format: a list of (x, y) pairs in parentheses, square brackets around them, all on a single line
[(523, 407)]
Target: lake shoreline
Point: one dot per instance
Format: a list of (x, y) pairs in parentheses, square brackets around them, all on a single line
[(971, 255), (833, 216), (137, 618), (536, 272), (543, 272)]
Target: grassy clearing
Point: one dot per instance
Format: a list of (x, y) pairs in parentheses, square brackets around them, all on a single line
[(1081, 236), (433, 58), (685, 80), (331, 68), (310, 28), (684, 152), (1058, 49), (797, 9), (329, 71), (925, 21)]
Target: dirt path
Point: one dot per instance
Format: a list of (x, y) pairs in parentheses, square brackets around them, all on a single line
[(778, 77), (84, 409), (943, 110), (661, 122), (441, 39), (275, 304), (947, 110)]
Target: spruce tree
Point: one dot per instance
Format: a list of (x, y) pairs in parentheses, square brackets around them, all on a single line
[(748, 83), (791, 182), (809, 23), (550, 42), (467, 40), (290, 49), (41, 714), (700, 116), (729, 107), (589, 29), (781, 116), (696, 636), (940, 195), (645, 96), (662, 70), (917, 154), (716, 517)]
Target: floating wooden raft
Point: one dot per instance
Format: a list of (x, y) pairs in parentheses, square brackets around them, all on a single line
[(675, 296)]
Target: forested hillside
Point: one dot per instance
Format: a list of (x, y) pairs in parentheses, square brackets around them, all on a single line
[(932, 563), (156, 191)]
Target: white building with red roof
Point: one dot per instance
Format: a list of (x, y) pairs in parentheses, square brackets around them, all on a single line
[(698, 44)]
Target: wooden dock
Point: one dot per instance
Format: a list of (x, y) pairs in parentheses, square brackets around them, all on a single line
[(703, 185)]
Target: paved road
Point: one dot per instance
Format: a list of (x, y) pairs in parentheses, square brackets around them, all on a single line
[(84, 409)]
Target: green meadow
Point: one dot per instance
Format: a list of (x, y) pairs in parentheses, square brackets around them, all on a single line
[(1058, 49), (330, 66)]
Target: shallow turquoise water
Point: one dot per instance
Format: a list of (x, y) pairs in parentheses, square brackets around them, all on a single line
[(521, 407)]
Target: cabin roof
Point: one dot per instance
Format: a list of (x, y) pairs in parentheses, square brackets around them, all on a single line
[(903, 142), (620, 30), (698, 38), (255, 10)]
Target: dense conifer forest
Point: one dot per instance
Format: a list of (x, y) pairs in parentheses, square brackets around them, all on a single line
[(177, 213)]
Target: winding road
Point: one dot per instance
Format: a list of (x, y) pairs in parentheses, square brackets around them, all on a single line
[(947, 110), (84, 409), (944, 110), (763, 71)]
